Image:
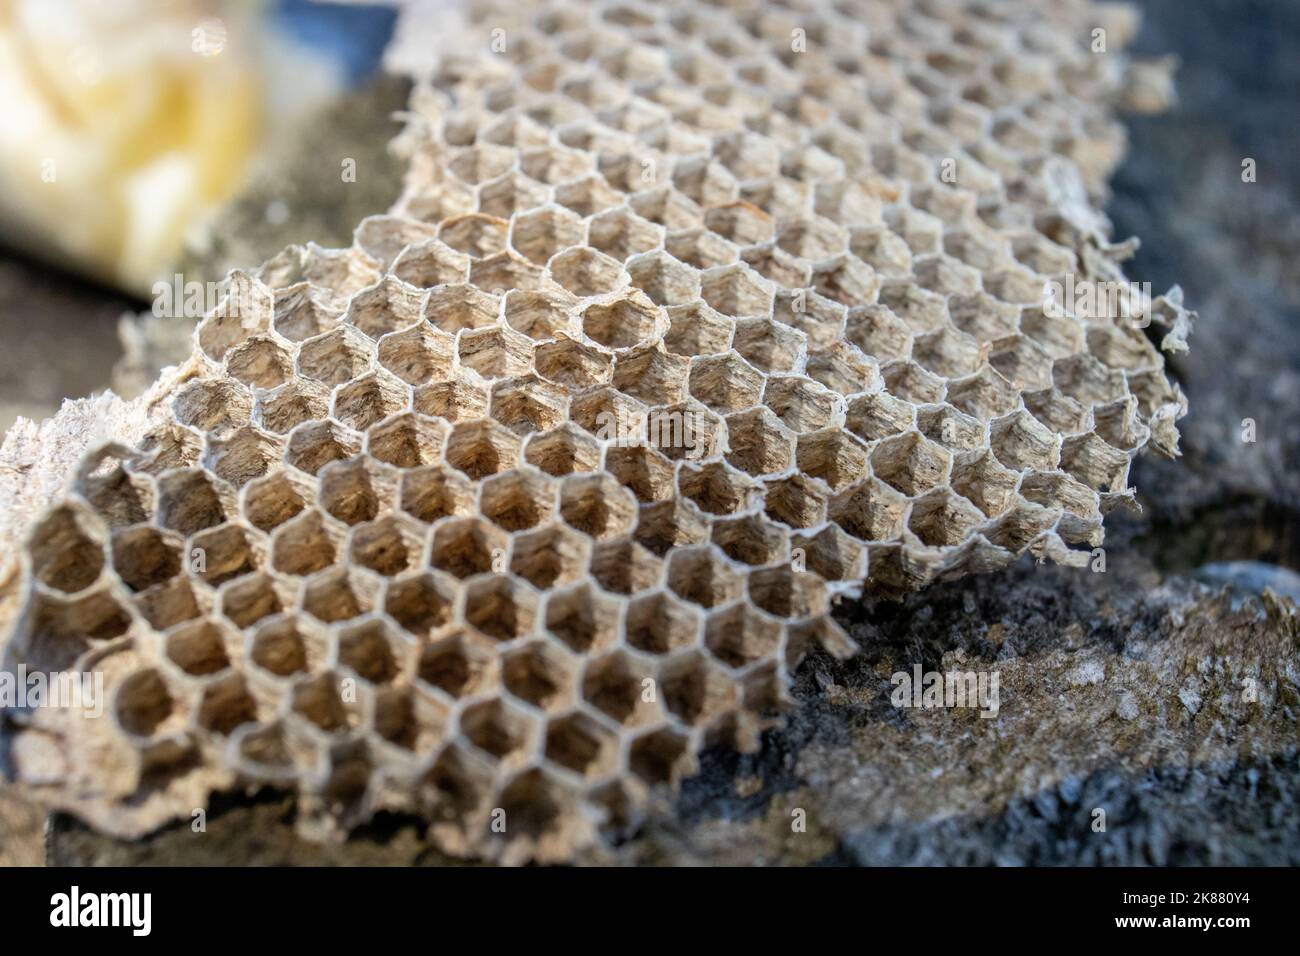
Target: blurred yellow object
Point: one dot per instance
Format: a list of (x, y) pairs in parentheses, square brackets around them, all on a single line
[(121, 123)]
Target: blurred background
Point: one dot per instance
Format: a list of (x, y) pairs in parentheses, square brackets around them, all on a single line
[(142, 139)]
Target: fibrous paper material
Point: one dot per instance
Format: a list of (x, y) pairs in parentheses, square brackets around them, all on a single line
[(692, 318)]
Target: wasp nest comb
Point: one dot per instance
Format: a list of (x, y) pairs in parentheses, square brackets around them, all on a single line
[(692, 317)]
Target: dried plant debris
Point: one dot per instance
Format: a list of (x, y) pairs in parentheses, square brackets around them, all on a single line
[(691, 318)]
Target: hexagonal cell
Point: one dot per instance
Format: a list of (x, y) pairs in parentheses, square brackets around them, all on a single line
[(832, 554), (740, 222), (339, 594), (460, 664), (834, 456), (319, 701), (615, 684), (247, 601), (290, 405), (911, 463), (482, 448), (878, 333), (701, 248), (168, 603), (1023, 362), (540, 674), (428, 494), (539, 315), (304, 310), (842, 368), (370, 399), (220, 554), (737, 291), (871, 511), (421, 603), (431, 263), (580, 744), (477, 164), (650, 375), (788, 593), (475, 234), (664, 279), (189, 501), (582, 617), (812, 239), (757, 443), (1020, 442), (666, 207), (642, 469), (1060, 491), (338, 356), (1095, 463), (241, 456), (848, 280), (65, 560), (305, 544), (751, 539), (356, 490), (58, 631), (200, 648), (122, 499), (716, 488), (388, 545), (67, 553), (623, 323), (213, 405), (587, 196), (540, 233), (496, 352), (510, 194), (800, 403), (269, 502), (226, 704), (702, 576), (696, 329), (286, 647), (385, 307), (528, 404), (726, 383), (572, 364), (418, 354), (505, 271), (768, 345), (738, 635), (562, 451), (142, 704), (455, 400), (246, 307), (683, 431), (985, 482), (985, 395), (500, 606), (517, 500), (942, 519), (659, 623), (585, 272), (499, 729), (597, 505), (314, 444), (878, 415), (621, 233), (462, 306), (407, 440), (948, 427), (695, 690), (468, 546), (373, 652), (259, 362)]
